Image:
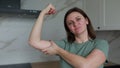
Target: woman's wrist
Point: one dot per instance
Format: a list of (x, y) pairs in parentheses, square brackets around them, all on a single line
[(58, 49), (43, 13)]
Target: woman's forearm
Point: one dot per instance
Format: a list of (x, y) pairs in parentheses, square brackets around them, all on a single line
[(74, 60), (36, 30)]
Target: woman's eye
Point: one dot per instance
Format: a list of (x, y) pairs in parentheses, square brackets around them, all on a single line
[(70, 23), (78, 19)]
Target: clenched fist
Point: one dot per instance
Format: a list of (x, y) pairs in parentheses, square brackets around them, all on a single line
[(50, 9)]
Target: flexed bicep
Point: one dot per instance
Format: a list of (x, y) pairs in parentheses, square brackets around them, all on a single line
[(52, 49), (40, 45)]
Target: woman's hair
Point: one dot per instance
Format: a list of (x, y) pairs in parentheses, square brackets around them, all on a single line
[(70, 35)]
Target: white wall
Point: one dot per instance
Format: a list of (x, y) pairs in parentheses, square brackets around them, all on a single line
[(15, 30)]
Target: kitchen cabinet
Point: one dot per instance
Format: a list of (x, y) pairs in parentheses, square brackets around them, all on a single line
[(104, 14)]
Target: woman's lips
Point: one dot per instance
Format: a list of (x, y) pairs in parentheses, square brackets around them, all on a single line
[(77, 28)]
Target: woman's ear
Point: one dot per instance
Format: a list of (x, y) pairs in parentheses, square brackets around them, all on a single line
[(86, 21)]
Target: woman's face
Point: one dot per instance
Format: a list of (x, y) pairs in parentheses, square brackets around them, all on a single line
[(76, 23)]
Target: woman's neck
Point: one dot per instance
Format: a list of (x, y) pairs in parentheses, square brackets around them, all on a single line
[(83, 37)]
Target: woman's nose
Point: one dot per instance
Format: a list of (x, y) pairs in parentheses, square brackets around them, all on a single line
[(75, 24)]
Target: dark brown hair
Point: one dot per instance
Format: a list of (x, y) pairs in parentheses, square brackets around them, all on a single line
[(70, 35)]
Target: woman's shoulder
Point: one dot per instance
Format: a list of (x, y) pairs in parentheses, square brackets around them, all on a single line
[(102, 45), (100, 41), (64, 40), (61, 42)]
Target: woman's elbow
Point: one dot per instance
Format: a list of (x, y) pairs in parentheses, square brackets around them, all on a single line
[(82, 66), (35, 44), (87, 66), (31, 43)]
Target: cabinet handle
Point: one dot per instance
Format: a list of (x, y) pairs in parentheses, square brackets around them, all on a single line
[(98, 27)]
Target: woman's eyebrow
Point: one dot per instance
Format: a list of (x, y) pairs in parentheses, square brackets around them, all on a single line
[(77, 16)]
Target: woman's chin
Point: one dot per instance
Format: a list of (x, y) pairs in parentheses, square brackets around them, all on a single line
[(79, 32)]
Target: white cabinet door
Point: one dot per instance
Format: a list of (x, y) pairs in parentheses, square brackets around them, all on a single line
[(91, 7), (105, 14)]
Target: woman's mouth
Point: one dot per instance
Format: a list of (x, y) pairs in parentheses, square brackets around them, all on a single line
[(77, 28)]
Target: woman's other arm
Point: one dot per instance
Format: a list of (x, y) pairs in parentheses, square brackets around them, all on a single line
[(93, 60)]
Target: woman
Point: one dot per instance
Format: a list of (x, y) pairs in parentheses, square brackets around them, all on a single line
[(81, 49)]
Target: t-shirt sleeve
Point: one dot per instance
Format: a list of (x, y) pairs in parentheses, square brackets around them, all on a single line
[(60, 43), (103, 46)]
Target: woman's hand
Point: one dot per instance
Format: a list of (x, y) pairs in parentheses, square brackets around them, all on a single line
[(52, 50), (50, 9)]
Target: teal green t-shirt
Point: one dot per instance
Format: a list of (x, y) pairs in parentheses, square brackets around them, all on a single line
[(82, 49)]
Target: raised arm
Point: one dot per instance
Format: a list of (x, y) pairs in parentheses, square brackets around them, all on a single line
[(35, 35)]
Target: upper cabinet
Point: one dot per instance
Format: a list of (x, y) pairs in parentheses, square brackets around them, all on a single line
[(104, 14)]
